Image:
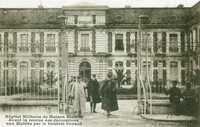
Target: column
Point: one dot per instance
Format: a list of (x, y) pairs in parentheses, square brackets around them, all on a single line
[(167, 43), (168, 71), (93, 40), (179, 42), (124, 41), (179, 70)]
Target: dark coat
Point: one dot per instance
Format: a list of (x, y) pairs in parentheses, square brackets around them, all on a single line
[(175, 95), (109, 97), (93, 91)]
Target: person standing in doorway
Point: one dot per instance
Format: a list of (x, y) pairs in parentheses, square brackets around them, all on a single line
[(93, 93), (109, 97)]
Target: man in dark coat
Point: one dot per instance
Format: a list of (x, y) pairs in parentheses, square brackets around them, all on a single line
[(93, 93), (189, 100), (174, 97), (108, 93)]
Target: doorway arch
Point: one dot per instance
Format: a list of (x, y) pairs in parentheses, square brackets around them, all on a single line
[(85, 71)]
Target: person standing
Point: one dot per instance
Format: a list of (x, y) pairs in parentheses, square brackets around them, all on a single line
[(93, 93), (109, 97), (79, 98), (189, 100), (174, 97)]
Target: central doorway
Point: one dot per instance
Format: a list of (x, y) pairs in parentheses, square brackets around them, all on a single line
[(85, 71)]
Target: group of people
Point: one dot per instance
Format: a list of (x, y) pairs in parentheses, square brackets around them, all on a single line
[(79, 92), (183, 102)]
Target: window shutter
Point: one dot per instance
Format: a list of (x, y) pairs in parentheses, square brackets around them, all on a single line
[(41, 41), (76, 19), (164, 77), (155, 39), (164, 42), (41, 76), (128, 42), (5, 41), (136, 41), (15, 41), (182, 42), (94, 19), (33, 42), (76, 41), (60, 43), (109, 42), (93, 40)]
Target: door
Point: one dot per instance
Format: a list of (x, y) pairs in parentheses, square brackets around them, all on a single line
[(85, 71)]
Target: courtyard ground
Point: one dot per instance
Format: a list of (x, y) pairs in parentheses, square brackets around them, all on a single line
[(126, 116)]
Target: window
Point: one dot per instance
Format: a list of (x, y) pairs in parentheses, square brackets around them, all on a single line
[(23, 72), (84, 20), (51, 66), (50, 42), (100, 19), (128, 63), (173, 43), (109, 63), (155, 63), (173, 70), (24, 42), (84, 42), (70, 20), (119, 46)]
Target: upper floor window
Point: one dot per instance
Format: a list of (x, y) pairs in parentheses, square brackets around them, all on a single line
[(70, 20), (84, 42), (119, 46), (173, 43), (50, 44), (23, 42), (84, 20), (100, 20)]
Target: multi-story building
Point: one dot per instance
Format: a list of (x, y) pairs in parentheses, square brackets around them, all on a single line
[(100, 39)]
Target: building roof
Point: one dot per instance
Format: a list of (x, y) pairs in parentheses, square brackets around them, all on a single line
[(48, 18), (30, 18), (160, 17)]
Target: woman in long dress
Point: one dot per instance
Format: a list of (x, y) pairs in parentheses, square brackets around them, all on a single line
[(79, 98), (109, 97)]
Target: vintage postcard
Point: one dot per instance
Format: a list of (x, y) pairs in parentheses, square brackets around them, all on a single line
[(99, 63)]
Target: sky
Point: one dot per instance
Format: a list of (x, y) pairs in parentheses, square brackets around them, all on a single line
[(110, 3)]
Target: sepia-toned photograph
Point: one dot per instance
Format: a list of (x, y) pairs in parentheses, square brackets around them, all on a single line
[(99, 63)]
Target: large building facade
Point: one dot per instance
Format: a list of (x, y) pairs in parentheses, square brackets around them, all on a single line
[(100, 39)]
